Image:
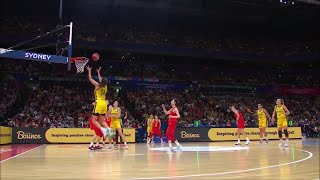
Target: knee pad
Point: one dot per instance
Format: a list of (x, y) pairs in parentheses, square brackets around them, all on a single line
[(286, 133), (280, 134)]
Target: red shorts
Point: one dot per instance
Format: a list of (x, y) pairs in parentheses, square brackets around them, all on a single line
[(108, 122), (172, 125), (96, 130), (156, 131), (240, 124)]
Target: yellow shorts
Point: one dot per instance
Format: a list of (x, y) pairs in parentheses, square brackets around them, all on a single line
[(115, 124), (263, 124), (149, 129), (281, 122), (100, 107)]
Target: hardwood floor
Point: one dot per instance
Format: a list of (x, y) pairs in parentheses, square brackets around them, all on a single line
[(217, 160)]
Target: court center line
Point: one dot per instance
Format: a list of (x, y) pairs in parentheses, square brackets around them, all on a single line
[(231, 172), (21, 153)]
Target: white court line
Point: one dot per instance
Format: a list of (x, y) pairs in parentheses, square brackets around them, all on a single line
[(231, 172), (21, 153)]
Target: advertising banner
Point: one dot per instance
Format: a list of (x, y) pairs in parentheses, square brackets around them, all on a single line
[(5, 135), (59, 135), (69, 135), (79, 135), (192, 134), (130, 134), (29, 135), (225, 134), (18, 54)]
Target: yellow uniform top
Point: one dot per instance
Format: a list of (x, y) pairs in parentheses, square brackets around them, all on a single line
[(261, 115), (100, 94), (280, 112), (150, 122), (114, 111)]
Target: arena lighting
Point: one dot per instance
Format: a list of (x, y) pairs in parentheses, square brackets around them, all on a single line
[(287, 2), (315, 2)]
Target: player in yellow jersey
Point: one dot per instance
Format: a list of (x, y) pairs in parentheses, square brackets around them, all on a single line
[(115, 113), (100, 108), (149, 128), (282, 112), (263, 123)]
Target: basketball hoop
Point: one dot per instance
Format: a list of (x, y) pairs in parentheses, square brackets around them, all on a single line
[(80, 63)]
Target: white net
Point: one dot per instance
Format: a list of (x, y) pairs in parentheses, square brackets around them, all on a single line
[(80, 63)]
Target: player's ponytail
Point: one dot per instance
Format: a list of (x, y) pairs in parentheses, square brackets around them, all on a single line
[(103, 82)]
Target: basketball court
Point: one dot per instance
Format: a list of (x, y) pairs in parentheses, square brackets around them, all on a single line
[(217, 160)]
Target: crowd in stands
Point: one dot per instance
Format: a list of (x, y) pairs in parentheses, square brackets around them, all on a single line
[(218, 74), (99, 32), (9, 94), (32, 67), (59, 105), (214, 111)]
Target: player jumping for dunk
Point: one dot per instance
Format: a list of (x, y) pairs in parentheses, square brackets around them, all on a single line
[(100, 108)]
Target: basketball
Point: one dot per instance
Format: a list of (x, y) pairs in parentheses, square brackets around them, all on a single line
[(95, 56)]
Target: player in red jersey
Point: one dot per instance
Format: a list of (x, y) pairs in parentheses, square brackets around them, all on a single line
[(97, 137), (108, 119), (156, 129), (240, 122), (174, 115)]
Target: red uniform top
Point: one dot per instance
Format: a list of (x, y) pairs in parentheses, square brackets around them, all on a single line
[(240, 120), (156, 124), (108, 121), (172, 113)]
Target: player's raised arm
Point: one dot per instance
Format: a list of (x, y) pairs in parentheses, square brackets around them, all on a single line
[(99, 74), (93, 82)]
